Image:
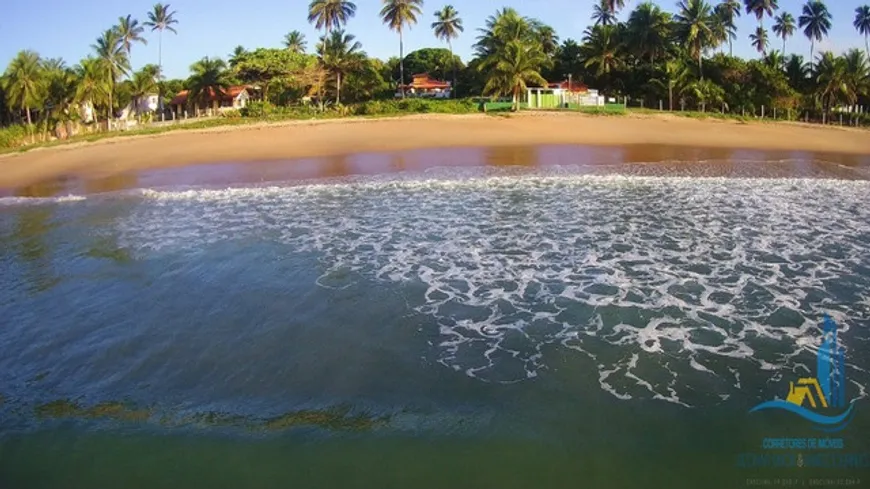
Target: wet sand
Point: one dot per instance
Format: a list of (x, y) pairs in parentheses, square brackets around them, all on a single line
[(302, 150)]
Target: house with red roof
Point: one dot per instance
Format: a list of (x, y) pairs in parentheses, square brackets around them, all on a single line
[(210, 102), (422, 85)]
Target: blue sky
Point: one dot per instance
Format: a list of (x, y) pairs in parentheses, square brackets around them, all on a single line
[(60, 28)]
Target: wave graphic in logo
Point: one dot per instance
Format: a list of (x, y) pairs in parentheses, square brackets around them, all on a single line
[(827, 390)]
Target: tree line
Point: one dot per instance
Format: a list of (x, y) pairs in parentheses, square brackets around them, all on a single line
[(684, 58)]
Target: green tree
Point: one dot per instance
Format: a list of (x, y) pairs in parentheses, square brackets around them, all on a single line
[(330, 14), (759, 39), (448, 26), (110, 50), (674, 76), (815, 20), (273, 69), (727, 13), (436, 61), (602, 49), (862, 25), (367, 82), (602, 14), (142, 84), (130, 32), (704, 92), (161, 18), (694, 28), (24, 84), (92, 89), (546, 35), (340, 54), (797, 72), (60, 85), (784, 27), (760, 8), (649, 31), (397, 14), (511, 68), (209, 79), (295, 41), (237, 54)]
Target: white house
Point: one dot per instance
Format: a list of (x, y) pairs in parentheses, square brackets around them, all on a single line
[(142, 105)]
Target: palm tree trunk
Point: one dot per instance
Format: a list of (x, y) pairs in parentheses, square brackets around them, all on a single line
[(515, 104), (867, 44), (730, 48), (401, 63), (453, 62), (671, 97), (700, 65), (29, 123), (812, 48), (160, 73), (337, 88)]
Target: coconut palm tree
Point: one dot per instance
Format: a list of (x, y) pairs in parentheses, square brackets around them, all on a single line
[(602, 14), (505, 26), (295, 42), (857, 73), (815, 20), (209, 79), (759, 39), (784, 27), (110, 50), (24, 84), (832, 81), (130, 32), (330, 14), (676, 75), (60, 85), (237, 54), (649, 31), (161, 18), (774, 59), (602, 49), (726, 14), (862, 24), (447, 27), (797, 71), (92, 88), (511, 68), (340, 54), (397, 14), (694, 28), (761, 8), (546, 35), (142, 84), (614, 5)]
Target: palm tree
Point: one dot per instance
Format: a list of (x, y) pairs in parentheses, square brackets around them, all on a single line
[(775, 60), (832, 81), (209, 78), (447, 27), (857, 73), (512, 67), (60, 84), (295, 42), (160, 19), (330, 14), (862, 24), (726, 14), (92, 88), (602, 49), (761, 8), (142, 84), (24, 84), (784, 27), (614, 5), (340, 54), (759, 39), (815, 21), (694, 28), (546, 35), (397, 14), (676, 75), (130, 32), (797, 71), (110, 51), (602, 13), (237, 54), (649, 31)]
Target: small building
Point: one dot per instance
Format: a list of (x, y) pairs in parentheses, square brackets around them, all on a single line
[(422, 85), (562, 94), (211, 103), (143, 105)]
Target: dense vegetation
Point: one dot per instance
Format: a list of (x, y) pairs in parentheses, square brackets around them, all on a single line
[(677, 60)]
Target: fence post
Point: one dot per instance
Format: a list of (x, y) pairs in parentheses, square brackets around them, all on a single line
[(841, 118), (762, 112), (742, 111), (661, 106), (774, 113)]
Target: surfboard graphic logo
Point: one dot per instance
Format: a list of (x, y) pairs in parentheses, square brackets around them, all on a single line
[(820, 399)]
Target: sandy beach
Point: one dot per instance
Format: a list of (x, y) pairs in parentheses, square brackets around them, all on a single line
[(301, 139)]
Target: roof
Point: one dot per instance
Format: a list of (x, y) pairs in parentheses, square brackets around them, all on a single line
[(564, 85), (229, 94), (424, 81)]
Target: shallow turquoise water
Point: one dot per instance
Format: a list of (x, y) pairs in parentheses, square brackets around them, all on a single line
[(456, 328)]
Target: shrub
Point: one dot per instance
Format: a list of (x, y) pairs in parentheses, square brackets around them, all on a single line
[(13, 136), (231, 113), (257, 109)]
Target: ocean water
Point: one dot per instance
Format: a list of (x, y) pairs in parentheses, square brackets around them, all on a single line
[(453, 327)]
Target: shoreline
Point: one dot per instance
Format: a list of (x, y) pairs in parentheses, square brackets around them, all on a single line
[(291, 140)]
